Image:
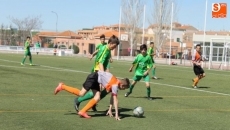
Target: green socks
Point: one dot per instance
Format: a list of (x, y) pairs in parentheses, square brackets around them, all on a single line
[(154, 71), (23, 60), (148, 91), (30, 59), (131, 88), (87, 96)]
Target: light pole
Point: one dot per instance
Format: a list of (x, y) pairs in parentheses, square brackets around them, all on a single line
[(56, 20)]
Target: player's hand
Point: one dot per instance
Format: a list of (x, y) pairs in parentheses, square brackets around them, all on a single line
[(109, 113), (146, 73), (90, 57), (130, 70), (117, 118)]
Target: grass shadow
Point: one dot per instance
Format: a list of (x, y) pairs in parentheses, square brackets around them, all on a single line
[(153, 98), (203, 87)]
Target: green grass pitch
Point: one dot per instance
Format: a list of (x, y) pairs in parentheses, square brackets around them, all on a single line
[(27, 101)]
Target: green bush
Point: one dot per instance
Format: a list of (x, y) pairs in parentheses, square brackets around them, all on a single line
[(75, 49)]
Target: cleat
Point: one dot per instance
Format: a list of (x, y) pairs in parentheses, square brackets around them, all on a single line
[(94, 108), (149, 98), (154, 77), (127, 94), (58, 88), (76, 104), (22, 64), (85, 115), (31, 64), (194, 86)]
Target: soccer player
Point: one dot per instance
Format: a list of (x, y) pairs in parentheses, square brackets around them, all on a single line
[(198, 70), (143, 64), (99, 50), (101, 63), (27, 51), (151, 53), (109, 82), (37, 46)]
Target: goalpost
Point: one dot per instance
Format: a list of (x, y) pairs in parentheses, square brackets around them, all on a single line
[(219, 53)]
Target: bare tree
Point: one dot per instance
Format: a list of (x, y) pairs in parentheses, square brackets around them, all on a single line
[(160, 20), (26, 25), (132, 13)]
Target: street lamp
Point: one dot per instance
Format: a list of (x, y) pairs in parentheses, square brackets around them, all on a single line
[(56, 20)]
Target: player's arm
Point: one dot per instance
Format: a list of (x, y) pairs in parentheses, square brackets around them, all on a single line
[(109, 113), (94, 53), (102, 60), (134, 63), (115, 102)]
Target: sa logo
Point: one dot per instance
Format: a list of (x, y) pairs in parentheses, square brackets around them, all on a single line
[(219, 10)]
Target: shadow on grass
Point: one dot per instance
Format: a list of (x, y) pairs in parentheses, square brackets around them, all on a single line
[(153, 98), (103, 113), (158, 78), (203, 87)]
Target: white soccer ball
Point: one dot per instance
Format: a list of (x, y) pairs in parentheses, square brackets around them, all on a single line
[(138, 111)]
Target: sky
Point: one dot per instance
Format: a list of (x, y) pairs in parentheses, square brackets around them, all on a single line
[(77, 14)]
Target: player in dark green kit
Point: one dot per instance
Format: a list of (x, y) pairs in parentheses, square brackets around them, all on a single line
[(27, 51), (143, 63)]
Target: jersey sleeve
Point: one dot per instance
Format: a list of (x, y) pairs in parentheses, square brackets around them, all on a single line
[(114, 90)]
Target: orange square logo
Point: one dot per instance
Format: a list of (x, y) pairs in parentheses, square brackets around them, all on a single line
[(219, 10)]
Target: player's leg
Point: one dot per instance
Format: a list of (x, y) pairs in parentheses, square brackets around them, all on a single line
[(24, 58), (154, 70), (96, 89), (135, 79), (30, 58), (78, 100), (147, 80), (196, 79), (75, 91)]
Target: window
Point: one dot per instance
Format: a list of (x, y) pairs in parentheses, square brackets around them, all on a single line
[(82, 44), (77, 44)]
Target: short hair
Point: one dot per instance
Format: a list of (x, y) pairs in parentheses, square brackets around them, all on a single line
[(28, 37), (114, 40), (143, 47), (151, 43), (127, 81), (102, 36), (198, 45)]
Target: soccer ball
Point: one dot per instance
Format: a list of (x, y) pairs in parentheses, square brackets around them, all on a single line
[(138, 111)]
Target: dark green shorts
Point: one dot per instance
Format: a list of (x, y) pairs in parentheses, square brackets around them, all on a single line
[(27, 53), (138, 78)]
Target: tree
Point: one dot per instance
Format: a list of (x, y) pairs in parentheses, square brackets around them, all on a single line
[(160, 20), (132, 13), (26, 25)]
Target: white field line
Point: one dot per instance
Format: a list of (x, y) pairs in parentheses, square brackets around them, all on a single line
[(77, 71)]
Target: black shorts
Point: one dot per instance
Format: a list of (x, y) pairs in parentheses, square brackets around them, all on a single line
[(198, 70), (91, 82)]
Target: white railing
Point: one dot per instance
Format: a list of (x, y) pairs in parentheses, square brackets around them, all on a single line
[(20, 49)]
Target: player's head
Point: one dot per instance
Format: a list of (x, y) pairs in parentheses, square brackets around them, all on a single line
[(28, 38), (151, 44), (102, 38), (113, 42), (124, 84), (143, 49), (198, 48)]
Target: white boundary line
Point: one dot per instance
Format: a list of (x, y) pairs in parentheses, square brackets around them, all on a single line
[(77, 71)]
